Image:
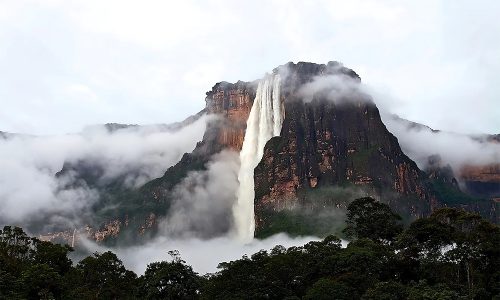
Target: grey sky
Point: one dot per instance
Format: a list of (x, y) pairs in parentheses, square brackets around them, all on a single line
[(66, 64)]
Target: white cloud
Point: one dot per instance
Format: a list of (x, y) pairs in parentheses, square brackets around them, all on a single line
[(30, 189), (202, 202), (457, 150), (152, 61)]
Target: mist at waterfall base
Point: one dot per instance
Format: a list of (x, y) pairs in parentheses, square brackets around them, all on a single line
[(202, 255), (204, 200)]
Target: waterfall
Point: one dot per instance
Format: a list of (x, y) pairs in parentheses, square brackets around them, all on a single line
[(264, 122)]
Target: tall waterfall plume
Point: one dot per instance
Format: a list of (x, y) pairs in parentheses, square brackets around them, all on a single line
[(264, 122)]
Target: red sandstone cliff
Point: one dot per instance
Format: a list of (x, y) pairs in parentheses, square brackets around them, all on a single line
[(481, 173), (329, 142), (233, 102)]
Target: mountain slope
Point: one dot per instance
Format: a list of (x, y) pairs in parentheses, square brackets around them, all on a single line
[(334, 139), (333, 148)]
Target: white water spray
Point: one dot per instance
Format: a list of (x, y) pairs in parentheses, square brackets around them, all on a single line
[(264, 122)]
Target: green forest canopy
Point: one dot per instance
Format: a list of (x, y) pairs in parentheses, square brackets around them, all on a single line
[(451, 254)]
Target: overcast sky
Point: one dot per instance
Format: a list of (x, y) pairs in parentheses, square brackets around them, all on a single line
[(66, 64)]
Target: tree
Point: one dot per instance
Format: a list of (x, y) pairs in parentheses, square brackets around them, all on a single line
[(40, 281), (53, 255), (368, 218), (454, 247), (103, 276), (422, 291), (15, 244), (476, 249), (425, 238), (170, 280), (326, 289), (9, 286), (387, 291), (451, 254)]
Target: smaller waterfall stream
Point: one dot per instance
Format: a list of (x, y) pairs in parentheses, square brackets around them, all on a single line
[(264, 122)]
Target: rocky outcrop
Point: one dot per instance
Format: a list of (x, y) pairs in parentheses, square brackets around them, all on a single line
[(333, 139), (454, 193), (482, 180), (476, 179), (233, 102), (65, 237), (436, 170), (474, 185), (482, 173)]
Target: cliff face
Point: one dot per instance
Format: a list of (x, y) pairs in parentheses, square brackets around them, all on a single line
[(233, 102), (336, 140), (474, 186), (476, 179), (485, 173), (482, 181)]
